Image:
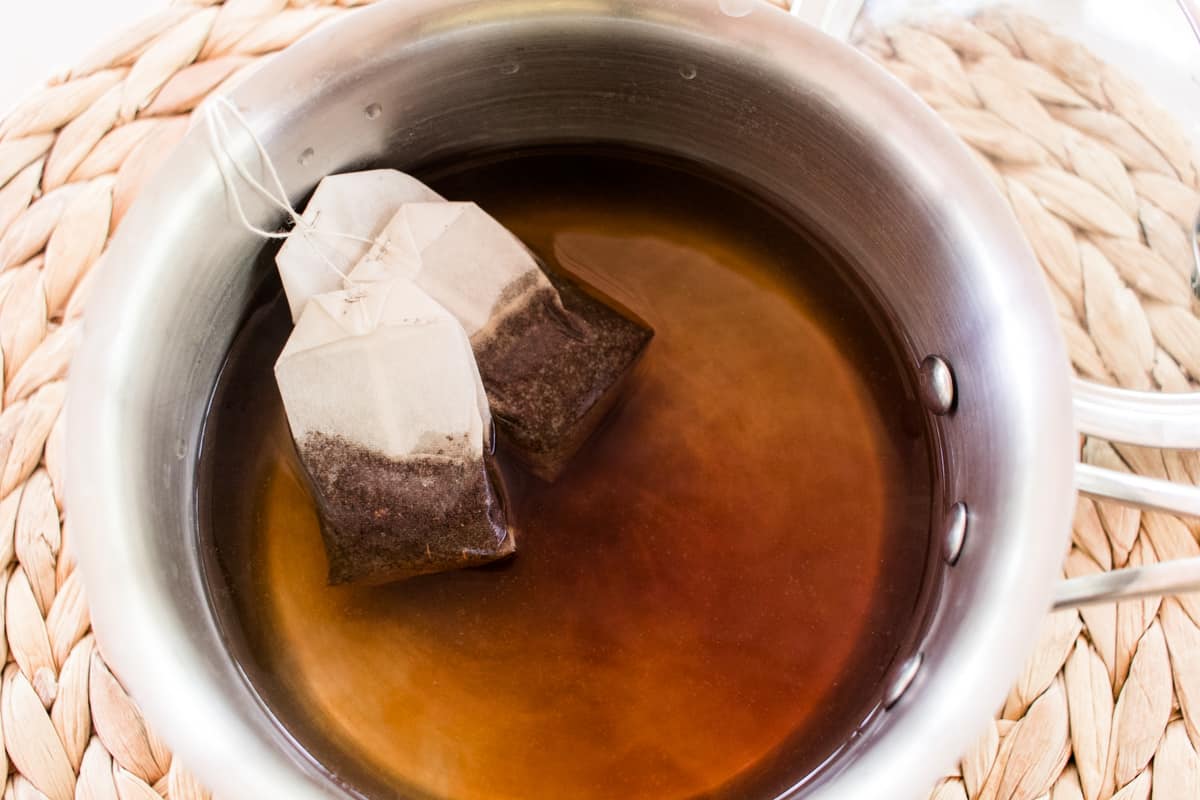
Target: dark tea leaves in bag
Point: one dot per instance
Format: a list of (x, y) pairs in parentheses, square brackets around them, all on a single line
[(553, 371), (384, 519), (392, 426)]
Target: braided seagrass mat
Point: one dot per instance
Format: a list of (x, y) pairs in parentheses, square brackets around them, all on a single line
[(1104, 183)]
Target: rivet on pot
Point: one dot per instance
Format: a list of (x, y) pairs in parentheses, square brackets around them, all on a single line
[(955, 533), (904, 678), (937, 385)]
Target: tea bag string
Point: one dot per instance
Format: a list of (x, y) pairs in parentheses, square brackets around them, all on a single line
[(219, 134)]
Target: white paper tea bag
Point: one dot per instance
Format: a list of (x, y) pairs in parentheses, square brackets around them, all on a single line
[(344, 214), (553, 357), (392, 426), (461, 257)]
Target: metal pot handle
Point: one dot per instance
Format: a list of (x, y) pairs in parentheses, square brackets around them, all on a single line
[(1148, 419), (1153, 419)]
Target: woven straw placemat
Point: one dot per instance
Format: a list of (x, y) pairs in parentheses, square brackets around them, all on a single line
[(1104, 183)]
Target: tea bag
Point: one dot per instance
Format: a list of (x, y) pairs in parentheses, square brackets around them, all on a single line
[(553, 358), (392, 425), (343, 216)]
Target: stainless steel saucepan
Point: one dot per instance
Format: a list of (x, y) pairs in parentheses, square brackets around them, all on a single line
[(800, 118)]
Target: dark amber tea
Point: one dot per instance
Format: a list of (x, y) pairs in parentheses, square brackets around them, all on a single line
[(705, 601)]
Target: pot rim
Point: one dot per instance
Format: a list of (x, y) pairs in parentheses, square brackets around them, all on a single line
[(180, 696)]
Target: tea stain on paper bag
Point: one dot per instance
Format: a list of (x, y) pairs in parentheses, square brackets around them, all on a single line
[(393, 429), (553, 358)]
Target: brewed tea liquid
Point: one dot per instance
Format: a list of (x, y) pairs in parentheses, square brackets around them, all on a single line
[(702, 606)]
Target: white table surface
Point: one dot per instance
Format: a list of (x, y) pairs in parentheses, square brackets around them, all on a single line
[(39, 38)]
